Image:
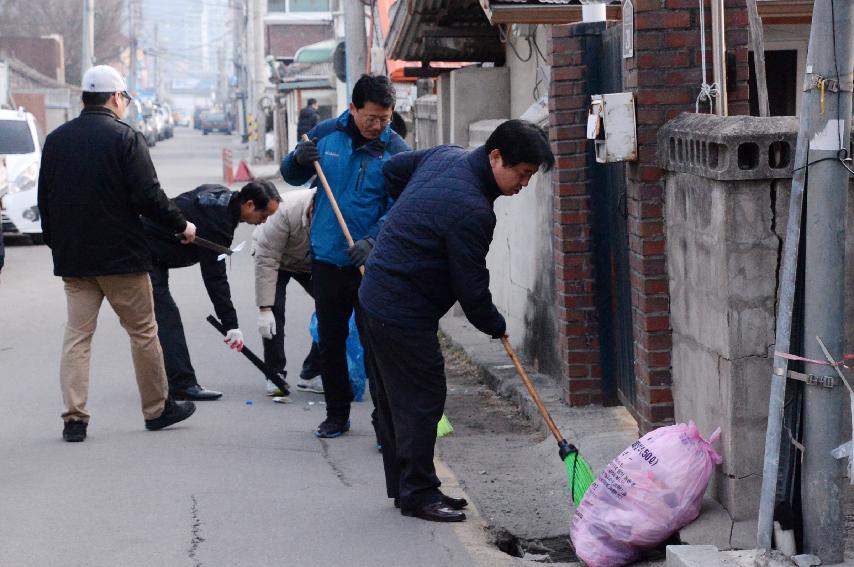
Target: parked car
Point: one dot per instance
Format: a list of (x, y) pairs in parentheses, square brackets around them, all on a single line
[(198, 114), (21, 150), (135, 117), (169, 120), (215, 121)]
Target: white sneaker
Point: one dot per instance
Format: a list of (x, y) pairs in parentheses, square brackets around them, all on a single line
[(314, 385), (273, 390)]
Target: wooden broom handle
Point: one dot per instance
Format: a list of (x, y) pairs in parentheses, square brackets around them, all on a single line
[(334, 203), (531, 390)]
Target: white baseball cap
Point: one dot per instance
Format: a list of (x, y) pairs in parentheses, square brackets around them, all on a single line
[(103, 79)]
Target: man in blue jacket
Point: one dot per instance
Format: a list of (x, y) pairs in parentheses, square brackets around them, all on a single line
[(430, 253), (351, 149)]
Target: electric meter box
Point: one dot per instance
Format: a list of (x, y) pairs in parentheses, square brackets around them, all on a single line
[(612, 127)]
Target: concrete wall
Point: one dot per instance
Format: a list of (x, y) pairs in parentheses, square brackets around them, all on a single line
[(528, 74), (469, 103), (723, 248), (521, 265), (722, 259)]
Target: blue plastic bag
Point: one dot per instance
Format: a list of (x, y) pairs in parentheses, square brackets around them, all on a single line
[(355, 355)]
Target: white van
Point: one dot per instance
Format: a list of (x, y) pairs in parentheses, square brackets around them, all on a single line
[(19, 145)]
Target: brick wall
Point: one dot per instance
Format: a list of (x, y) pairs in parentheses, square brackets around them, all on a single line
[(665, 76), (283, 40), (578, 331)]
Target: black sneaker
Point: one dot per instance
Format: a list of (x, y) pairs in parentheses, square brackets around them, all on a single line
[(172, 414), (74, 431), (333, 427)]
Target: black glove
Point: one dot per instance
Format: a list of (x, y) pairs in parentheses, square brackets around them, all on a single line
[(306, 152), (359, 252)]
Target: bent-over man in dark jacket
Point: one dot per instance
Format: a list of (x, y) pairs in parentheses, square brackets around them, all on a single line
[(216, 211), (430, 253), (96, 180)]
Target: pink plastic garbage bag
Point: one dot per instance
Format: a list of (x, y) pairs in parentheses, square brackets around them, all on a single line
[(650, 491)]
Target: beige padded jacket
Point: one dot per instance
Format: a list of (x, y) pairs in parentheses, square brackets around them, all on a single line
[(282, 243)]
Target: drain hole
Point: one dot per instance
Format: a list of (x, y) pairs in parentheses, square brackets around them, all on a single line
[(549, 550)]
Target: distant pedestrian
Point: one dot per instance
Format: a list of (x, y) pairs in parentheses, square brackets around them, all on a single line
[(283, 253), (216, 211), (351, 150), (308, 118), (96, 180), (431, 253)]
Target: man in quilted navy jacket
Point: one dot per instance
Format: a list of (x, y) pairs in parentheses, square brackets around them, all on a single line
[(430, 253)]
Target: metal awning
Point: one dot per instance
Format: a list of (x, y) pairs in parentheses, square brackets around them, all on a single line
[(442, 30), (302, 84), (541, 11), (320, 52)]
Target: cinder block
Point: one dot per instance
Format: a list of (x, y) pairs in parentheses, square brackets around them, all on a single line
[(692, 556)]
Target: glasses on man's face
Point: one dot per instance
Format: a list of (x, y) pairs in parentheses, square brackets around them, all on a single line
[(372, 120), (126, 96)]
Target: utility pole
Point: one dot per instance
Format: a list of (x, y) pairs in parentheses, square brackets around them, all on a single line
[(830, 58), (156, 55), (259, 77), (132, 36), (356, 41), (87, 55)]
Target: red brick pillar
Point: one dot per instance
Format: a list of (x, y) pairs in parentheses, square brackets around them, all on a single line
[(665, 75), (578, 331)]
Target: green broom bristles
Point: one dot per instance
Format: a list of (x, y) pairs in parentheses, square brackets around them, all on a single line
[(444, 427), (579, 476)]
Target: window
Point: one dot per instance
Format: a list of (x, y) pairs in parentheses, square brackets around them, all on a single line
[(309, 6), (15, 137), (298, 5)]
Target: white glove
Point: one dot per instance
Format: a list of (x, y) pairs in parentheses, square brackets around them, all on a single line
[(266, 324), (234, 339)]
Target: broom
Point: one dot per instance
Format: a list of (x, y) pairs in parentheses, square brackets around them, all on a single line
[(579, 474)]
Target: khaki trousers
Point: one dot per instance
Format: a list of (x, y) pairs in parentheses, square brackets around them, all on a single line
[(130, 296)]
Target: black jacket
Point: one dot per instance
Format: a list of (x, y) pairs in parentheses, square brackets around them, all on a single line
[(308, 119), (431, 250), (96, 179), (215, 210)]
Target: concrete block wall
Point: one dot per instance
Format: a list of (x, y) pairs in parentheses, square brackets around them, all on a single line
[(664, 74), (466, 103), (723, 258)]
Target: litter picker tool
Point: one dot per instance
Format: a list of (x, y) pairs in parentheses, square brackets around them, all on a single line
[(269, 374), (222, 250), (333, 202), (579, 474)]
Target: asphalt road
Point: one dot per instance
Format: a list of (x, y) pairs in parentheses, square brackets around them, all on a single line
[(244, 482)]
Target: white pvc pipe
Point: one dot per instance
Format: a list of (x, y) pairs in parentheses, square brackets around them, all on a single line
[(593, 12)]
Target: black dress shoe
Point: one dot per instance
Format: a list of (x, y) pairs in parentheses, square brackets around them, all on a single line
[(435, 512), (172, 414), (196, 393), (449, 501)]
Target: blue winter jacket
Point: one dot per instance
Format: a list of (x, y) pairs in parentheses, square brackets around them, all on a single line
[(356, 178), (432, 248)]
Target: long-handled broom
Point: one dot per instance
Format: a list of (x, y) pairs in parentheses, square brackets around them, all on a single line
[(579, 474)]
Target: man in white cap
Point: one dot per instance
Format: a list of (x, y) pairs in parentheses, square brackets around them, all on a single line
[(96, 180)]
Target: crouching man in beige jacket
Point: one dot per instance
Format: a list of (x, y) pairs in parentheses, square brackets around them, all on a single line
[(282, 252)]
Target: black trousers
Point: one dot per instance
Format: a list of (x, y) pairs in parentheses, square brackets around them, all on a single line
[(336, 295), (409, 375), (170, 331), (274, 349)]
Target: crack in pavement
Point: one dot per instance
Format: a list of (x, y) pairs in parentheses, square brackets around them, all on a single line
[(332, 464), (196, 530)]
